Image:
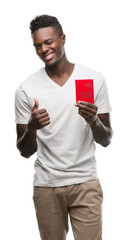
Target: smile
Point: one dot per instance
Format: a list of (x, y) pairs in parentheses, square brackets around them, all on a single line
[(49, 56)]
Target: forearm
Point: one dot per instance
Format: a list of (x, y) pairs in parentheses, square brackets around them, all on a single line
[(101, 133), (27, 143)]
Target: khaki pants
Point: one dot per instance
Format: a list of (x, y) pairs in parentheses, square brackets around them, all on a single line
[(83, 203)]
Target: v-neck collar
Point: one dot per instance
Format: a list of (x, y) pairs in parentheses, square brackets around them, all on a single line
[(57, 85)]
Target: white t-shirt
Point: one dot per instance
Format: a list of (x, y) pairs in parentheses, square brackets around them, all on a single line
[(66, 149)]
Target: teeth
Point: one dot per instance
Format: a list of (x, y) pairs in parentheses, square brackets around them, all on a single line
[(49, 56)]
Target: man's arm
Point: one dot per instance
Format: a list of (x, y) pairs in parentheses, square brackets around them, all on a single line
[(26, 140), (101, 128), (26, 133), (100, 124)]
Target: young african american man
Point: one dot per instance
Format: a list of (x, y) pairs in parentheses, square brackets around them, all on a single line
[(63, 134)]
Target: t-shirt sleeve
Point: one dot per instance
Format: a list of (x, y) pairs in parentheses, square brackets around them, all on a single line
[(22, 107), (102, 98)]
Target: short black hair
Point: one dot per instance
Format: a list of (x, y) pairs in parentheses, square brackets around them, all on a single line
[(45, 21)]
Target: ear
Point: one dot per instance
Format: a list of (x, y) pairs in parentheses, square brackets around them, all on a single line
[(63, 39)]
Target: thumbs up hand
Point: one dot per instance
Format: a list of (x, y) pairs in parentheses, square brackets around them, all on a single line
[(39, 118)]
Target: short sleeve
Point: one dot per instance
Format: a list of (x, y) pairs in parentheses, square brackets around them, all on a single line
[(102, 98), (22, 107)]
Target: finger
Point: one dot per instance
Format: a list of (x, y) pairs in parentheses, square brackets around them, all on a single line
[(88, 107), (38, 113), (42, 120), (86, 112), (86, 104), (83, 103), (43, 124), (36, 105), (41, 111), (42, 115), (85, 116), (46, 123)]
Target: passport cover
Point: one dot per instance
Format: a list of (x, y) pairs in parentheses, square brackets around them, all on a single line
[(84, 90)]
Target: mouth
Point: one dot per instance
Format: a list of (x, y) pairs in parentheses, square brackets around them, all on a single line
[(49, 56)]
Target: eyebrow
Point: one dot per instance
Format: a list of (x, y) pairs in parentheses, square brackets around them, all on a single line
[(38, 44)]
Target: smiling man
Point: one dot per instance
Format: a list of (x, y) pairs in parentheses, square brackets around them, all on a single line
[(63, 134)]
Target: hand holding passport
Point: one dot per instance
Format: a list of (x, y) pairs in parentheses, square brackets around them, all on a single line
[(85, 100)]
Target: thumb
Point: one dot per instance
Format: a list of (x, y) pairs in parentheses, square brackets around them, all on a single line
[(36, 105)]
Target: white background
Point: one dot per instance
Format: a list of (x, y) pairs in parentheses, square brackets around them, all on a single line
[(96, 32)]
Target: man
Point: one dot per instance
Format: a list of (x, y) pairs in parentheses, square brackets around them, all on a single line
[(64, 136)]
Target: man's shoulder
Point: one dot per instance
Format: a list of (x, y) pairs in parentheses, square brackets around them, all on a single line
[(84, 70), (32, 80)]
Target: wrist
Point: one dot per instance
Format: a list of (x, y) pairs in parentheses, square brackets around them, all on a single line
[(94, 121), (30, 129)]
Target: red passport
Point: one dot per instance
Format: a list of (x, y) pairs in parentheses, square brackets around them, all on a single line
[(84, 90)]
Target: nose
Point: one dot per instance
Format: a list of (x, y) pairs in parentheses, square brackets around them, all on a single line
[(44, 48)]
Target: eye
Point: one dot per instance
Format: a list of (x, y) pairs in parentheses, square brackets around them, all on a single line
[(49, 42), (37, 47)]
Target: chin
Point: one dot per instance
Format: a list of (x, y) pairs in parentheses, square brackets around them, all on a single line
[(51, 64)]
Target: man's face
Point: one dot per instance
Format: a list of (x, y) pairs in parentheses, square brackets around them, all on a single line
[(49, 45)]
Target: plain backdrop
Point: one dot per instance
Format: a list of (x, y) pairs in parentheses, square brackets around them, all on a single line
[(96, 33)]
